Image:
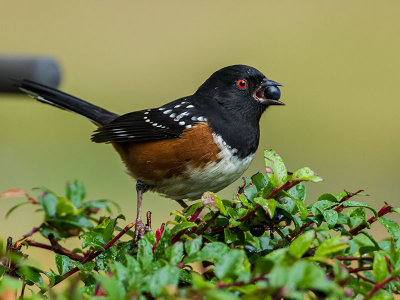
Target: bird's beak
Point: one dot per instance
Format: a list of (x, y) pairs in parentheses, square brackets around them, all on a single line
[(268, 99)]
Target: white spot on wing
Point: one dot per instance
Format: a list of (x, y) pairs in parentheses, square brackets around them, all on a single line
[(180, 116)]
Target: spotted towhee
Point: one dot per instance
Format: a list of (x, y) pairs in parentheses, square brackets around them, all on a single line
[(186, 147)]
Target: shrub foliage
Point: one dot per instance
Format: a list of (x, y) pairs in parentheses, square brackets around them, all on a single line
[(266, 243)]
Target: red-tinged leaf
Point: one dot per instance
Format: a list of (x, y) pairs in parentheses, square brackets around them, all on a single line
[(13, 193), (17, 192)]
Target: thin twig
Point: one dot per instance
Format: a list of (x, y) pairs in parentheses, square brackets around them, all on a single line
[(222, 285), (338, 209), (191, 219), (30, 233), (201, 231), (366, 279), (93, 255), (344, 258), (379, 286), (360, 269), (383, 211), (284, 187), (345, 198)]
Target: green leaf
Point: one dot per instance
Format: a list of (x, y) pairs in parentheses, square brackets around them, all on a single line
[(167, 276), (31, 275), (181, 226), (250, 192), (229, 264), (219, 204), (15, 207), (64, 207), (305, 174), (379, 267), (328, 197), (234, 223), (87, 267), (302, 208), (104, 258), (2, 270), (298, 191), (209, 251), (106, 228), (259, 180), (114, 288), (269, 205), (359, 204), (145, 252), (230, 236), (54, 277), (75, 191), (391, 226), (49, 202), (9, 283), (63, 263), (93, 239), (331, 217), (331, 246), (233, 213), (275, 168), (174, 253), (244, 201), (193, 246), (300, 245), (322, 205), (73, 220), (382, 295)]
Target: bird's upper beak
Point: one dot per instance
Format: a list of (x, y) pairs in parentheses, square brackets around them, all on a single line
[(268, 99)]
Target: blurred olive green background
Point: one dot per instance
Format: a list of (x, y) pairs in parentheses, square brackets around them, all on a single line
[(339, 62)]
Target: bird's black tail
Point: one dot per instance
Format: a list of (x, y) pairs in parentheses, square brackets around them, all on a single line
[(62, 100)]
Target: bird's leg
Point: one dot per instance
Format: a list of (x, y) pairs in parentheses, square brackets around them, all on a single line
[(182, 203), (140, 229)]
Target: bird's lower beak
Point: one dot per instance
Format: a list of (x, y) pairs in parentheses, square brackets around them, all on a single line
[(268, 93)]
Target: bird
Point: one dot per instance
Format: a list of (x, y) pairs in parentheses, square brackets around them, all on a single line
[(198, 143)]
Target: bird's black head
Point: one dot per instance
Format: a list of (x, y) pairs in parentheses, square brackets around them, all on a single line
[(240, 89)]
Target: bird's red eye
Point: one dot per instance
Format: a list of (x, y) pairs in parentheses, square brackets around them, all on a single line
[(242, 83)]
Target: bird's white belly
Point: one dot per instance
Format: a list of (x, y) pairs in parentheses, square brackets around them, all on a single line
[(213, 177)]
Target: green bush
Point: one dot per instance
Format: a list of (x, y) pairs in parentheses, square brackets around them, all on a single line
[(266, 243)]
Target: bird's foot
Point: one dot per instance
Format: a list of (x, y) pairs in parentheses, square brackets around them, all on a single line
[(141, 229)]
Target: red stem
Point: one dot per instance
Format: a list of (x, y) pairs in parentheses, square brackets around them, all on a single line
[(192, 219), (354, 258), (284, 187), (339, 208), (93, 255), (222, 285), (383, 211), (379, 286), (355, 270), (204, 228)]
